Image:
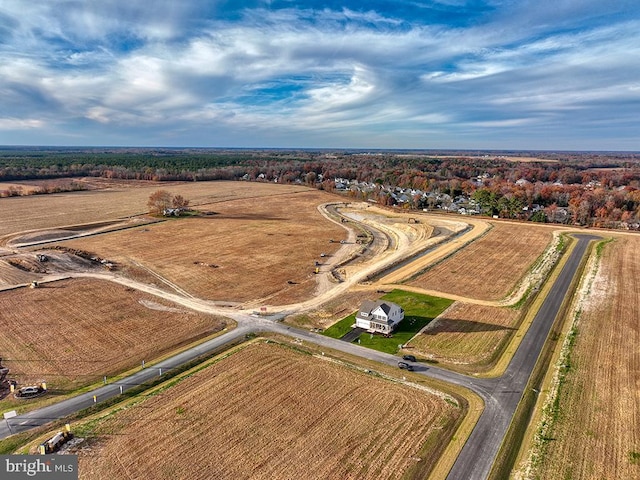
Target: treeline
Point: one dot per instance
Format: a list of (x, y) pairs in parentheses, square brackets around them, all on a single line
[(58, 187), (599, 189)]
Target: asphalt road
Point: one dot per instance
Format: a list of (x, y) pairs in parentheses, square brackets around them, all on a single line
[(501, 395)]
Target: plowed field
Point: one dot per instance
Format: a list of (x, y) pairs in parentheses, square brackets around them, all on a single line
[(597, 434), (249, 249), (466, 335), (490, 267), (269, 412), (70, 333)]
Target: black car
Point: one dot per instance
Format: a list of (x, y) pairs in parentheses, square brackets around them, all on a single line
[(409, 358)]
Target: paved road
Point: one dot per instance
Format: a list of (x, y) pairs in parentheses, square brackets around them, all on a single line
[(501, 395)]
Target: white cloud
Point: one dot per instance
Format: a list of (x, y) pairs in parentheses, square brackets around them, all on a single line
[(20, 123), (131, 65)]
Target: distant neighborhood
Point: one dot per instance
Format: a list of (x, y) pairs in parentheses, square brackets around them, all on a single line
[(480, 202)]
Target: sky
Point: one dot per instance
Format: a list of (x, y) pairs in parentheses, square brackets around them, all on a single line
[(402, 74)]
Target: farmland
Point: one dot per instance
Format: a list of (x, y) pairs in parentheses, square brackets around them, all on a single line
[(229, 254), (292, 416), (596, 433), (465, 336), (486, 269), (73, 332), (118, 200)]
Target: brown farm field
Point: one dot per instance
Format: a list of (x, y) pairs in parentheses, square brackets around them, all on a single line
[(489, 268), (72, 332), (247, 249), (119, 200), (466, 336), (597, 433), (293, 415)]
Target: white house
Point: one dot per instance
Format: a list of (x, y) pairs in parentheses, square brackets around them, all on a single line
[(379, 316)]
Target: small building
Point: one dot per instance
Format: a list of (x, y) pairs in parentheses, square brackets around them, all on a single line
[(379, 316)]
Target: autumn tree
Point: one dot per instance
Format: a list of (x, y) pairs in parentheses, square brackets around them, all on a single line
[(159, 201), (180, 202)]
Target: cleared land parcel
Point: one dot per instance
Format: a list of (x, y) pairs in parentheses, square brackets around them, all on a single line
[(249, 249), (466, 335), (72, 332), (490, 267), (122, 199), (268, 411)]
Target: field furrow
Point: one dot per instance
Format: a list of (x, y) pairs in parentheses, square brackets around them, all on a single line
[(73, 332), (490, 267), (270, 412), (466, 335), (270, 248)]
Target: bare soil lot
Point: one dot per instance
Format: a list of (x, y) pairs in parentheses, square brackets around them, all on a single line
[(466, 336), (253, 248), (597, 434), (268, 411), (72, 332), (490, 267)]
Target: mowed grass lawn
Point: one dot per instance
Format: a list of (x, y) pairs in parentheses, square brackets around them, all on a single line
[(419, 310)]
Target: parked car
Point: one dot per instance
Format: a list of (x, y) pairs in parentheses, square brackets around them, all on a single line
[(409, 358), (24, 391)]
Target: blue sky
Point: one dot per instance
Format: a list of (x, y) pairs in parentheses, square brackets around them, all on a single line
[(500, 74)]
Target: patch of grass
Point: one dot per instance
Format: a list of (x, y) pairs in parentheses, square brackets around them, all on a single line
[(12, 443), (634, 458), (338, 329), (600, 247), (419, 310)]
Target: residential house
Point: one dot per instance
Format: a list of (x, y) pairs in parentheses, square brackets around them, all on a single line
[(379, 316)]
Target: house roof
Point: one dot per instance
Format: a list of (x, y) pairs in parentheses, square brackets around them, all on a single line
[(369, 306)]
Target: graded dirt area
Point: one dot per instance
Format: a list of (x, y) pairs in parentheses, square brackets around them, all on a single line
[(72, 332), (247, 249), (490, 267), (466, 335), (596, 435), (268, 411)]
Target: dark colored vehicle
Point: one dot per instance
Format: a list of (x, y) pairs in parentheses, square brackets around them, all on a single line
[(405, 366), (409, 358)]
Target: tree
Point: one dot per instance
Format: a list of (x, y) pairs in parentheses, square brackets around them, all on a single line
[(180, 202), (310, 178), (159, 201)]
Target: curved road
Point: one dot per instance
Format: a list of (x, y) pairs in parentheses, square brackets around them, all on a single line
[(501, 395)]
